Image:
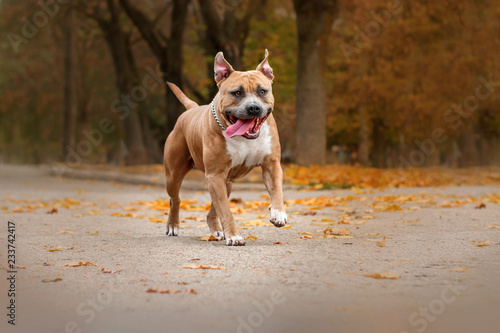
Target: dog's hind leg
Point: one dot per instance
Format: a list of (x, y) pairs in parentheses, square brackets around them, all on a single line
[(213, 219), (177, 162)]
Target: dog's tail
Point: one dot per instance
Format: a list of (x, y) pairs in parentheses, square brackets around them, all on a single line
[(189, 104)]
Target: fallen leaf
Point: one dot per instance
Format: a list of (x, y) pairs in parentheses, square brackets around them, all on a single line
[(203, 267), (383, 275), (78, 264), (367, 217), (393, 207), (209, 238), (52, 280), (493, 226), (459, 269), (236, 200), (109, 271), (257, 222), (281, 243), (48, 264), (156, 220), (52, 211), (94, 233), (481, 205), (483, 244), (164, 291), (65, 232), (335, 231), (306, 237), (305, 233), (381, 243), (251, 237), (288, 226), (57, 248)]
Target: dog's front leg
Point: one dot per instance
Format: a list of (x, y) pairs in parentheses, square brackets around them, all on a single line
[(273, 179), (218, 193)]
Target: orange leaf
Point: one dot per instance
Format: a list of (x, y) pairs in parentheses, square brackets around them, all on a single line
[(203, 267)]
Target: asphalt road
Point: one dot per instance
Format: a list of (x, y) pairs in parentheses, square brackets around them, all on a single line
[(441, 249)]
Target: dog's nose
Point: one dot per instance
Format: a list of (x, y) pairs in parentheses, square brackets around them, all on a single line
[(253, 109)]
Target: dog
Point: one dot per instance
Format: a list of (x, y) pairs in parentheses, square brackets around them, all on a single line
[(226, 139)]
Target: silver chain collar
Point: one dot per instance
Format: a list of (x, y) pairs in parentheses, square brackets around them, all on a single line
[(215, 115)]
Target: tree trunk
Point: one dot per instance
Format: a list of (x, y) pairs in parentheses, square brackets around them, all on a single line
[(227, 32), (173, 61), (116, 40), (70, 109), (311, 99), (364, 135), (168, 51)]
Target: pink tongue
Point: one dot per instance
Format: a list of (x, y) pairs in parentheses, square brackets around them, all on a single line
[(240, 127)]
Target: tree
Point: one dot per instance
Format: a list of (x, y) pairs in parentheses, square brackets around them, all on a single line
[(167, 49), (70, 108), (226, 29), (126, 78), (314, 18)]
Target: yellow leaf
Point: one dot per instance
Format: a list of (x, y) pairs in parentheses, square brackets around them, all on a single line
[(78, 264), (203, 267), (384, 275), (483, 244), (381, 243), (257, 222), (94, 233), (393, 207), (493, 226), (288, 226), (460, 269), (156, 220), (58, 248), (338, 232), (209, 238), (305, 233), (251, 237), (265, 196)]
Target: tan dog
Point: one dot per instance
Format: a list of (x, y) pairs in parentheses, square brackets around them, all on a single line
[(225, 140)]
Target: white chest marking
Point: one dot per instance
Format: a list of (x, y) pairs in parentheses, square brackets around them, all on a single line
[(249, 152)]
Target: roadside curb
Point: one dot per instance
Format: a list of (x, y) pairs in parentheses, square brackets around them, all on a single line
[(143, 179)]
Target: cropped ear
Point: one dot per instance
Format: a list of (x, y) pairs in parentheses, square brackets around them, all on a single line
[(265, 68), (222, 69)]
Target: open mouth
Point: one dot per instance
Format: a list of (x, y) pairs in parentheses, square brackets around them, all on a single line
[(248, 128)]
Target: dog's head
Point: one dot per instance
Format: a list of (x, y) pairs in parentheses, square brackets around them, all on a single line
[(245, 98)]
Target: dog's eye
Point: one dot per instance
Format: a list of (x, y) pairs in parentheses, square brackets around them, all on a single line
[(262, 92), (236, 93)]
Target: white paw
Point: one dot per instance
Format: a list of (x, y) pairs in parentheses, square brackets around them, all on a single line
[(219, 234), (172, 231), (235, 241), (278, 218)]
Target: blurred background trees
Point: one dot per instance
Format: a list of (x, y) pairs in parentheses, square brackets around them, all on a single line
[(385, 84)]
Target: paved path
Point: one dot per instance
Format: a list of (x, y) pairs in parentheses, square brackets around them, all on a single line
[(443, 281)]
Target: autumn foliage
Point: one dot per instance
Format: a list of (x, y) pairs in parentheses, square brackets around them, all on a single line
[(406, 82)]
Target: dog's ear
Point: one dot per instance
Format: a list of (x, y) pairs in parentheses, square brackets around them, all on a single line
[(265, 68), (222, 69)]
